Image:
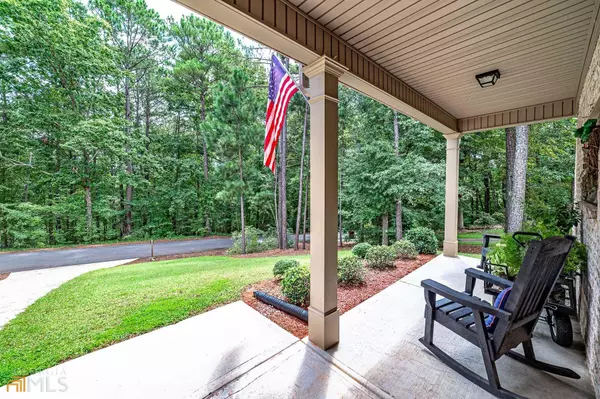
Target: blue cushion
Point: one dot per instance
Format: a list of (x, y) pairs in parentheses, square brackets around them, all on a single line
[(499, 303)]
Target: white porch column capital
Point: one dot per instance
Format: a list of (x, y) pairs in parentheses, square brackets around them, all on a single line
[(324, 65), (323, 315), (451, 216), (453, 136)]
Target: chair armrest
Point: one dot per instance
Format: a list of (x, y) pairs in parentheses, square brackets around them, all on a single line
[(474, 303), (490, 278)]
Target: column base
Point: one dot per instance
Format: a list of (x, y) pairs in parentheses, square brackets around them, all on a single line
[(451, 248), (323, 329)]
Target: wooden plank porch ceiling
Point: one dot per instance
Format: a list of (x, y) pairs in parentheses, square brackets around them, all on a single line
[(421, 56)]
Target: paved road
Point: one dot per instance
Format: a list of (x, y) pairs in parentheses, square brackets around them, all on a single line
[(77, 256)]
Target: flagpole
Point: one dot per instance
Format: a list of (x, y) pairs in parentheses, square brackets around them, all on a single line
[(297, 85)]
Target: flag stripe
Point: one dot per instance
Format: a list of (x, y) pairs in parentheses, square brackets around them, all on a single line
[(281, 90), (289, 89), (280, 119)]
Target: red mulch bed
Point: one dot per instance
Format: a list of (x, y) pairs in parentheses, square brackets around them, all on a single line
[(4, 275), (348, 296)]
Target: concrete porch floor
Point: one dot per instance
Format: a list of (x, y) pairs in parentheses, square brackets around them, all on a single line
[(380, 353), (233, 351)]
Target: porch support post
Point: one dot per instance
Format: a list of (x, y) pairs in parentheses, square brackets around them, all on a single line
[(323, 315), (451, 219)]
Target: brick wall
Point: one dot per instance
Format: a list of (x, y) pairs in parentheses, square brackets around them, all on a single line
[(589, 303), (589, 231)]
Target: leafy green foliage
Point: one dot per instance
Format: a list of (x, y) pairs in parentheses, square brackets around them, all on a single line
[(584, 131), (509, 253), (577, 259), (351, 270), (23, 225), (116, 124), (282, 266), (405, 249), (424, 239), (360, 250), (254, 242), (295, 285), (485, 219), (380, 257)]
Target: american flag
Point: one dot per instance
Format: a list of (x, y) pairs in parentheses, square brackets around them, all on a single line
[(281, 90)]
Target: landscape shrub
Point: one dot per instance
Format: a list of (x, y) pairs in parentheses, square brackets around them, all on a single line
[(351, 270), (484, 220), (253, 241), (424, 239), (296, 285), (577, 259), (380, 257), (509, 253), (361, 249), (256, 241), (405, 249), (282, 266), (498, 217)]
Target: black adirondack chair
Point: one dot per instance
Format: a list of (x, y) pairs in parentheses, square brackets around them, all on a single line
[(465, 314)]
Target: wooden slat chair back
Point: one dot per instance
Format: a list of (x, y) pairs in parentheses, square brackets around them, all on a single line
[(539, 272), (465, 314)]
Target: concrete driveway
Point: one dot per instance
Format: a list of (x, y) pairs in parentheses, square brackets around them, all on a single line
[(21, 289), (20, 261)]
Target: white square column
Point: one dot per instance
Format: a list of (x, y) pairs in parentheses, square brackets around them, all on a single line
[(451, 217), (323, 315)]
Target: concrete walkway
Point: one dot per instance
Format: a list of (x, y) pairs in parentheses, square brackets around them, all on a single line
[(234, 352), (21, 289)]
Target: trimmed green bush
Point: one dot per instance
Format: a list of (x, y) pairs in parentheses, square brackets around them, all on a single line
[(424, 239), (296, 285), (485, 220), (282, 266), (405, 249), (361, 249), (380, 257), (253, 241), (351, 270)]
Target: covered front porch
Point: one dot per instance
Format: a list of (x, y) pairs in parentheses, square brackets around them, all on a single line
[(378, 356), (420, 58)]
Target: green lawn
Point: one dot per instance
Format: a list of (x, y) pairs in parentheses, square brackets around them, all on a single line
[(106, 306), (478, 234)]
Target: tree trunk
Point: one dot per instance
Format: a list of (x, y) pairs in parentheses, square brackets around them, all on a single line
[(384, 229), (275, 199), (242, 215), (298, 214), (510, 159), (340, 231), (514, 216), (486, 195), (127, 227), (283, 178), (399, 232), (88, 209), (461, 220), (26, 188), (205, 163), (122, 206), (4, 104), (305, 212)]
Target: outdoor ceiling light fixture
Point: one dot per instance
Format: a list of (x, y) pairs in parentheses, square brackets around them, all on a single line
[(487, 79)]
